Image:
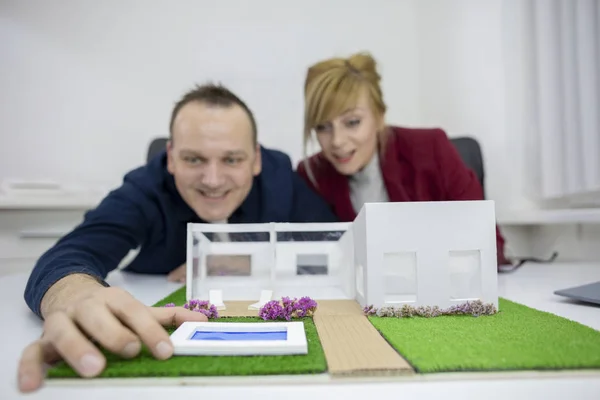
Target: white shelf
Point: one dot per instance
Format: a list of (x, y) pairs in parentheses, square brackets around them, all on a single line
[(52, 202), (547, 217)]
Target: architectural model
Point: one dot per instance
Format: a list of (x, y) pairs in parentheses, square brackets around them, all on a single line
[(419, 253), (307, 293)]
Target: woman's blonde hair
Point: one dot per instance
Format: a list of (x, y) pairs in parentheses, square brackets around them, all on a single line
[(334, 85)]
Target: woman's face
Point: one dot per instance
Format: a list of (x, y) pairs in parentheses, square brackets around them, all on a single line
[(350, 140)]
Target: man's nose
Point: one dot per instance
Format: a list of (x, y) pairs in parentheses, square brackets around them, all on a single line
[(212, 176)]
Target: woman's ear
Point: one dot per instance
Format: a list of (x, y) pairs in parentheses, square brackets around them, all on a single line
[(381, 123)]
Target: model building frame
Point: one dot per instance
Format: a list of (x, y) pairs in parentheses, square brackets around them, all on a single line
[(420, 253)]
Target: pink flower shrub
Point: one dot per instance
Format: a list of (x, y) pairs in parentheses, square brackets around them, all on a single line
[(288, 308)]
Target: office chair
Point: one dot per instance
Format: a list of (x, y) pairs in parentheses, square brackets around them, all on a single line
[(156, 146), (470, 152)]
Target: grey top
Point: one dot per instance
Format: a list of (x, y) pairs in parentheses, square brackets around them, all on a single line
[(367, 186)]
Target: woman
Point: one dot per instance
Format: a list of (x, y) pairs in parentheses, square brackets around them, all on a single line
[(363, 160)]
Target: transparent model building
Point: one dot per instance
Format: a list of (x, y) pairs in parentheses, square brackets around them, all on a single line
[(417, 253)]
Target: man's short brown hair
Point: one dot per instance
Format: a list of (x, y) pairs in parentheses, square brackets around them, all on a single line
[(214, 95)]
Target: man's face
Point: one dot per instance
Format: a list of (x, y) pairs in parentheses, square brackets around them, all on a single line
[(213, 158)]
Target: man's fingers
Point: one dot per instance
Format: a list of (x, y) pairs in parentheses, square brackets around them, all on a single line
[(97, 320), (173, 276), (34, 361), (178, 274), (175, 316), (138, 317), (73, 346), (31, 367)]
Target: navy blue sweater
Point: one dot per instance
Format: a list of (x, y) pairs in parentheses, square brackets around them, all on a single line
[(147, 212)]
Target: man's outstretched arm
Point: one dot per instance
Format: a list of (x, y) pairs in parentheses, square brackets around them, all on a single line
[(81, 314), (80, 261)]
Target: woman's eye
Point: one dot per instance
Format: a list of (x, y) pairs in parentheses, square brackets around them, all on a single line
[(322, 128), (354, 122)]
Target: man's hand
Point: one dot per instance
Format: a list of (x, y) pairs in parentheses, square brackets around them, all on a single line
[(217, 265), (110, 317), (228, 265), (178, 274)]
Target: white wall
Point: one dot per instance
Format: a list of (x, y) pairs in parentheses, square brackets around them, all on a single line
[(473, 81), (462, 80), (81, 80)]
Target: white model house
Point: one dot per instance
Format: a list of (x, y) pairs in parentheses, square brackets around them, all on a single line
[(417, 253)]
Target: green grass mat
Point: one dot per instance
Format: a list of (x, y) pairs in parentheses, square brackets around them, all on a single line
[(517, 338), (147, 366)]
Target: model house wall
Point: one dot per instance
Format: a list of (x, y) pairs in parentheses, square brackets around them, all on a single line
[(346, 270), (437, 254), (274, 264), (360, 242)]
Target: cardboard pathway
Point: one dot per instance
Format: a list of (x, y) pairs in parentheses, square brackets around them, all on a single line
[(352, 346)]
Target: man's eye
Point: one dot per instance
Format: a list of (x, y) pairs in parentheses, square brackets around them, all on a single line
[(232, 160), (191, 160)]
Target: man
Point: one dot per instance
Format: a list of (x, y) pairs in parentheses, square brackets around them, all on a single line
[(213, 170)]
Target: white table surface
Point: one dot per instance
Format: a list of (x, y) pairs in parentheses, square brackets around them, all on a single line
[(532, 285)]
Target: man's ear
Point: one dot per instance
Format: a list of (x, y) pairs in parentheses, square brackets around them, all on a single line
[(170, 163), (257, 166)]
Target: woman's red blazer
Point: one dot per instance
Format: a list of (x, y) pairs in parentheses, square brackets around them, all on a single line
[(417, 165)]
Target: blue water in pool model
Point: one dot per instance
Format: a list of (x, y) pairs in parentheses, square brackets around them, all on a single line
[(219, 335)]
